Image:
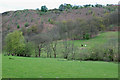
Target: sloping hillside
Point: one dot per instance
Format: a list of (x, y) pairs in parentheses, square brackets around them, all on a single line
[(33, 17)]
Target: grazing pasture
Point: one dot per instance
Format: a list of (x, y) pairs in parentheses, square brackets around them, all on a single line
[(21, 67), (32, 67)]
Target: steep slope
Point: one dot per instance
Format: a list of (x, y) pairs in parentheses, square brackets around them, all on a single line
[(21, 17)]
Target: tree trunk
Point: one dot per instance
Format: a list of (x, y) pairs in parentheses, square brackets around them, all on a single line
[(47, 54), (12, 54), (65, 57), (54, 49), (35, 53), (17, 54), (39, 51), (50, 54), (25, 55), (39, 47), (54, 55), (8, 54)]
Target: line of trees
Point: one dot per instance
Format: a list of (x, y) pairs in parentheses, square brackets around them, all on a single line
[(65, 6), (81, 29), (45, 44), (19, 45)]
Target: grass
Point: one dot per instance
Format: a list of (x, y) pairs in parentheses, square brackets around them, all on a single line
[(22, 67), (100, 39)]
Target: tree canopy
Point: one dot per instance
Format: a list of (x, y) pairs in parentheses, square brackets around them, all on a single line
[(15, 42), (44, 8)]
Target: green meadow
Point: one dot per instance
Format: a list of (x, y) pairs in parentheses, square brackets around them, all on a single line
[(20, 67)]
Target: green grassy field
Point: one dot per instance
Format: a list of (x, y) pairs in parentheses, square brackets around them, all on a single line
[(99, 39), (23, 67)]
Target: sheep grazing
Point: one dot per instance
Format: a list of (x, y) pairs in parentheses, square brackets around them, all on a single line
[(81, 45)]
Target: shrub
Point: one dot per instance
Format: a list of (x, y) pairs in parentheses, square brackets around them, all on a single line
[(34, 29), (23, 29), (97, 53), (50, 21), (105, 52), (26, 24), (86, 36), (90, 11), (82, 54), (18, 26), (93, 14), (100, 52)]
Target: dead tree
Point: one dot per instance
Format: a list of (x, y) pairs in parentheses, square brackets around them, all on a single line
[(40, 47), (48, 49), (54, 34), (73, 52), (40, 41), (54, 44), (67, 49)]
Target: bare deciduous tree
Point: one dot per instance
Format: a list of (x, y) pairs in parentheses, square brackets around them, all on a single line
[(39, 40), (54, 48)]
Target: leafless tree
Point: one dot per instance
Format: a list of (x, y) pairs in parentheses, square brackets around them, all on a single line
[(39, 41), (54, 44), (54, 33), (48, 49)]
